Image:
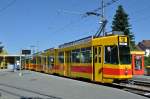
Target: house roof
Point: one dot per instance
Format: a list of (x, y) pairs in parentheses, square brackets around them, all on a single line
[(138, 48), (145, 44)]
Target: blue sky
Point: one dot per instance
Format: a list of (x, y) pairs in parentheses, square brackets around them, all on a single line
[(48, 23)]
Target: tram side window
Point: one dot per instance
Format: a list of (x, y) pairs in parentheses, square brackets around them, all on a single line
[(111, 54), (38, 59), (44, 60), (99, 54), (48, 62), (34, 60), (138, 62), (95, 54), (61, 57), (51, 61), (86, 55), (75, 54)]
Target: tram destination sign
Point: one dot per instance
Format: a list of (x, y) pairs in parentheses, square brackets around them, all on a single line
[(123, 40)]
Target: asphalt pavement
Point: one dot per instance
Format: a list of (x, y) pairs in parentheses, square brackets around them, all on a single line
[(34, 85)]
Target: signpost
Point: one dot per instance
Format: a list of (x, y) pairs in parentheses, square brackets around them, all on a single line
[(23, 52)]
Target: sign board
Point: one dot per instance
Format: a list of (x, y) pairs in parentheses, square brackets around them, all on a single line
[(123, 40), (26, 52)]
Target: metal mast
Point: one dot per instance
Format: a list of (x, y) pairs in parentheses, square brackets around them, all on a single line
[(102, 16), (102, 22)]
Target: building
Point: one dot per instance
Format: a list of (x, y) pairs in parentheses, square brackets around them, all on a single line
[(145, 46), (10, 60), (7, 60)]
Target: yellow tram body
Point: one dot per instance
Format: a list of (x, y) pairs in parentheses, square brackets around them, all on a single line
[(104, 59)]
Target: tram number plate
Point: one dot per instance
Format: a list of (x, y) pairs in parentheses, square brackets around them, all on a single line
[(122, 40)]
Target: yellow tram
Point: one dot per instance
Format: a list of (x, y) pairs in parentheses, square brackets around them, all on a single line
[(103, 59)]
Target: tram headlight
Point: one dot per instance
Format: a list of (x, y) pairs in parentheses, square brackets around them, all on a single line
[(126, 71)]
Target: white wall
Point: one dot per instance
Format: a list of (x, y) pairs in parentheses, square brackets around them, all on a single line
[(147, 52)]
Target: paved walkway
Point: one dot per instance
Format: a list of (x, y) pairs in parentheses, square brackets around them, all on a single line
[(43, 86), (142, 78)]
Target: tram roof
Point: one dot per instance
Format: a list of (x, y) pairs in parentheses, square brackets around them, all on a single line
[(138, 52), (76, 42), (15, 55), (109, 39)]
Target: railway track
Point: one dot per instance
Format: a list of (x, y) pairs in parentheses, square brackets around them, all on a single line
[(140, 82), (136, 86)]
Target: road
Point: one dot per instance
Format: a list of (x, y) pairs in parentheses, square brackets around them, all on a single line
[(33, 85)]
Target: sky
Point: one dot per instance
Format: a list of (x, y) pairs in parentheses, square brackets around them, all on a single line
[(49, 23)]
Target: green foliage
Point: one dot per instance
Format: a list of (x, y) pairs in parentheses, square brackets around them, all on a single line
[(120, 23), (3, 52), (147, 61)]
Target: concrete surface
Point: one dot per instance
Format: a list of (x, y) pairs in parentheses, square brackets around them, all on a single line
[(142, 78), (33, 85)]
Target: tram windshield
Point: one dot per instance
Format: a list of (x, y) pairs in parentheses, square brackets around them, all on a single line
[(111, 54), (112, 57), (124, 54)]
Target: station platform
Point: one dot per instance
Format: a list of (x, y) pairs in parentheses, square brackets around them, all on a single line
[(142, 78), (34, 85)]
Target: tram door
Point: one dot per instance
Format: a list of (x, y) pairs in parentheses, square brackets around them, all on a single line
[(97, 60), (68, 63)]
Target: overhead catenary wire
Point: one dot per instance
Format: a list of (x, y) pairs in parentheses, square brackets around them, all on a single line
[(101, 8), (69, 12), (93, 12), (139, 16), (102, 16), (67, 25), (141, 19), (89, 13), (8, 5)]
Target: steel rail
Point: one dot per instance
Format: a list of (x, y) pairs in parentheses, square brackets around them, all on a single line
[(137, 89)]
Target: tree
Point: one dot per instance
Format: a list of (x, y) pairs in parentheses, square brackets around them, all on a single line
[(120, 23), (147, 61)]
